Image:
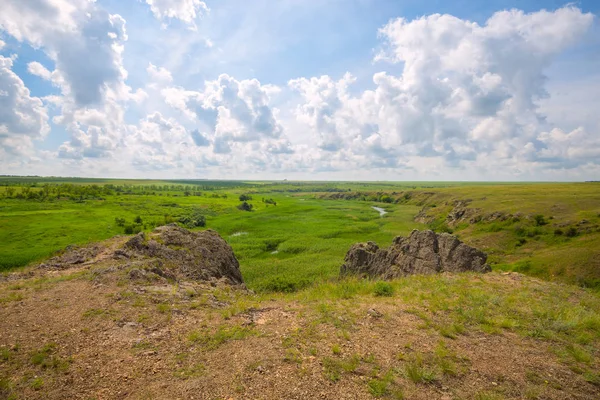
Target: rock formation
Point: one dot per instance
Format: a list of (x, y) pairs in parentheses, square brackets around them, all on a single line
[(201, 255), (167, 253), (423, 252)]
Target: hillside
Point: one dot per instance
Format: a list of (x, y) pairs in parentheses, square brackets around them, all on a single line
[(91, 328)]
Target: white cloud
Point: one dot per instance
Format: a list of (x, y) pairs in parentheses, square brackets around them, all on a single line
[(185, 10), (158, 75), (84, 41), (453, 99), (2, 44), (229, 110), (37, 69), (23, 118), (467, 93)]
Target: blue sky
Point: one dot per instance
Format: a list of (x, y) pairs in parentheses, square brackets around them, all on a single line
[(340, 89)]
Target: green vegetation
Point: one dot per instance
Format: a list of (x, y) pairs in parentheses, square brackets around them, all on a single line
[(211, 341), (297, 233)]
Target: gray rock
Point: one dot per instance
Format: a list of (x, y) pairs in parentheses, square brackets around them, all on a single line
[(181, 253), (423, 252)]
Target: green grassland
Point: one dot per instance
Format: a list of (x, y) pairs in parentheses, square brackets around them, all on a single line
[(303, 238)]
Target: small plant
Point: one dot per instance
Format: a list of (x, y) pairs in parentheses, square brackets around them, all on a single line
[(37, 383), (558, 232), (539, 220), (383, 289), (120, 221), (416, 371), (222, 335), (293, 355), (138, 220), (335, 349)]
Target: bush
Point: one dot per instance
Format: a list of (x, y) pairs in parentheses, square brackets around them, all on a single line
[(386, 199), (383, 289), (245, 197), (245, 206), (132, 229), (571, 232), (193, 219), (120, 221), (138, 220), (558, 232), (539, 220)]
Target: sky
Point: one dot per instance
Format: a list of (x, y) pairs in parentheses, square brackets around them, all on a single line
[(398, 90)]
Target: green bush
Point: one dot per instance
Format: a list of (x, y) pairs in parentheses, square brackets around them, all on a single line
[(539, 220), (245, 197), (245, 206), (571, 232), (383, 289)]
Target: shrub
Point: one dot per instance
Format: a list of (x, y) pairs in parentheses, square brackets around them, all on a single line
[(383, 289), (245, 206), (132, 229), (571, 232), (120, 221), (386, 199), (558, 232), (539, 220), (138, 220), (245, 197)]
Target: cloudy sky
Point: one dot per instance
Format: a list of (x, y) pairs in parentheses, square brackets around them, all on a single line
[(301, 89)]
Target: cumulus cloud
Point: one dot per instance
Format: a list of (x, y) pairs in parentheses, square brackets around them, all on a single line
[(451, 95), (230, 111), (466, 90), (84, 41), (37, 69), (23, 118), (184, 10)]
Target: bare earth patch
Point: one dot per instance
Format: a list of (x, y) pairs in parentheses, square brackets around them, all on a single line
[(93, 332)]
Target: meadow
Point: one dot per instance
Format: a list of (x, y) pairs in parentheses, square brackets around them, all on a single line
[(298, 232)]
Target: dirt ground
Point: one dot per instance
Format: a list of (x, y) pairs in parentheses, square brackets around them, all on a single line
[(92, 332)]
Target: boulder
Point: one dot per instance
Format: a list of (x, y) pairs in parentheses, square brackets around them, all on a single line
[(200, 255), (423, 252)]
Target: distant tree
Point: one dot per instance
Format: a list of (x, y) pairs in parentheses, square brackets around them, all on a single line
[(245, 206)]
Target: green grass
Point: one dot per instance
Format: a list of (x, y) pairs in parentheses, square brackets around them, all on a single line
[(223, 334), (302, 240)]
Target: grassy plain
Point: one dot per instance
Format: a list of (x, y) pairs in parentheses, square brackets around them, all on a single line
[(303, 238)]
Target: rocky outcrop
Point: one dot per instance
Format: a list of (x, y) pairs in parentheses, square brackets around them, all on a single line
[(168, 253), (179, 253), (423, 252)]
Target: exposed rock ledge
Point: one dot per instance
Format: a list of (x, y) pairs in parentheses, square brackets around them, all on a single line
[(423, 252)]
